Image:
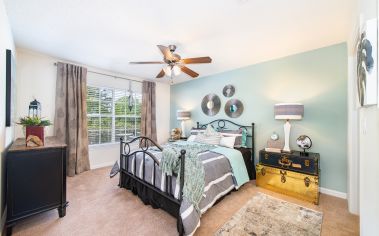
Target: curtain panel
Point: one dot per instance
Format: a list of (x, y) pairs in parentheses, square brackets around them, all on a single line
[(70, 123), (148, 115)]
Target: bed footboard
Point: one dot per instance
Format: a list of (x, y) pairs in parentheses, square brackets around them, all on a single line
[(148, 192)]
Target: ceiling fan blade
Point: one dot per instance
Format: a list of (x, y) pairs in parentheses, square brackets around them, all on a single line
[(161, 74), (189, 72), (146, 62), (166, 52), (196, 60)]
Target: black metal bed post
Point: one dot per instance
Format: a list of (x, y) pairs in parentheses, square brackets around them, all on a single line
[(121, 151), (252, 144), (182, 165), (179, 222), (198, 124)]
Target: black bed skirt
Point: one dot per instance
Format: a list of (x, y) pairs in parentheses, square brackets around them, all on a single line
[(148, 196)]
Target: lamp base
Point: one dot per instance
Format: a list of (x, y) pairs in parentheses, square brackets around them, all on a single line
[(183, 135), (287, 130)]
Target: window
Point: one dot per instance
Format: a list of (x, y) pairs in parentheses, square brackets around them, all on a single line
[(109, 116)]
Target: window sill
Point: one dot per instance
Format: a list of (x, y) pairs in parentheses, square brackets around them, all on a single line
[(103, 145)]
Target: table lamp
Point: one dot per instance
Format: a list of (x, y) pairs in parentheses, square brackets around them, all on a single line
[(183, 115), (288, 111)]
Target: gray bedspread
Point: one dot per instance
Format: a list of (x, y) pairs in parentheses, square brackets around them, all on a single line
[(219, 181)]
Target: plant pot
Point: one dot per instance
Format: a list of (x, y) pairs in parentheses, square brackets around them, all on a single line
[(35, 136)]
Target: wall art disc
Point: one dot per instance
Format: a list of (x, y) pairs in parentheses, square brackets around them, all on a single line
[(234, 108), (228, 90), (211, 104), (367, 59)]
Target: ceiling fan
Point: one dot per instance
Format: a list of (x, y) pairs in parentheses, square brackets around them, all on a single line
[(175, 64)]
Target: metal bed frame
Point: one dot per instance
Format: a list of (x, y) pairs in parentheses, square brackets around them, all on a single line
[(167, 200)]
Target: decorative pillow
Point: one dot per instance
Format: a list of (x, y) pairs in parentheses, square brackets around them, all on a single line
[(233, 133), (210, 136), (213, 140), (191, 138), (196, 131), (227, 141), (209, 131)]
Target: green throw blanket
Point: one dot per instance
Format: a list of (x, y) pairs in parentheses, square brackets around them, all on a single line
[(194, 170), (236, 162)]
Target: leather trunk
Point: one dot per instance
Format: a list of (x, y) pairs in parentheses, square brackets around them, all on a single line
[(298, 185), (295, 161)]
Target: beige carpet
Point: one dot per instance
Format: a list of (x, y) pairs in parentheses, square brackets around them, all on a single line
[(265, 215), (99, 207)]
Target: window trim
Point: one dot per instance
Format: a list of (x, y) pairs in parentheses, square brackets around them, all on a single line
[(112, 115)]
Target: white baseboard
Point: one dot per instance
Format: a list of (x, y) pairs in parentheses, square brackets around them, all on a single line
[(333, 193), (101, 165)]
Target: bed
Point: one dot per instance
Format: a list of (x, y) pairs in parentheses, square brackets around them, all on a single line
[(142, 172)]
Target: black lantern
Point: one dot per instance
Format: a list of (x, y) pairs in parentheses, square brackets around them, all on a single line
[(35, 109)]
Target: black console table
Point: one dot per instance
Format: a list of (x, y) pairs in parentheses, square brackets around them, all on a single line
[(35, 180)]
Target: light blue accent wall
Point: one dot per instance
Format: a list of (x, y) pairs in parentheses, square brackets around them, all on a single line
[(317, 78)]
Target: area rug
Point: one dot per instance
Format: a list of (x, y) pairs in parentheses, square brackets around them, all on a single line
[(265, 215)]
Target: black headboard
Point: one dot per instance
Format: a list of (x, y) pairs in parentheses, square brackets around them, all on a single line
[(222, 124)]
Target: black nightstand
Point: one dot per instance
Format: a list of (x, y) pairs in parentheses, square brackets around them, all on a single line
[(170, 140), (35, 180), (249, 162)]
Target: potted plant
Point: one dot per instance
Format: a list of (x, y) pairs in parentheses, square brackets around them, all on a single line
[(35, 133)]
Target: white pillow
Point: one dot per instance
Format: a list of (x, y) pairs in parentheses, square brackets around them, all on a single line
[(227, 142), (213, 140), (209, 131), (191, 138)]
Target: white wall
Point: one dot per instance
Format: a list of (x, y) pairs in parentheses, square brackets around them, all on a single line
[(36, 77), (369, 171), (6, 134), (363, 138), (353, 117)]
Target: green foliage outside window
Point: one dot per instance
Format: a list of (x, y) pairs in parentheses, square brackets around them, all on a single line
[(109, 116)]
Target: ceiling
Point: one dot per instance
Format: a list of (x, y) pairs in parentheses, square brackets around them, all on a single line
[(109, 33)]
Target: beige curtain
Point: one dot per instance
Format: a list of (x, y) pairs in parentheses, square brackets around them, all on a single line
[(70, 124), (148, 122)]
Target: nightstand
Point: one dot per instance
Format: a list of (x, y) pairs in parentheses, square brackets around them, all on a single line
[(170, 140), (249, 162), (35, 180)]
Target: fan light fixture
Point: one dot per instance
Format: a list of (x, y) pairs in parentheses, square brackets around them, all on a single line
[(168, 70), (175, 65)]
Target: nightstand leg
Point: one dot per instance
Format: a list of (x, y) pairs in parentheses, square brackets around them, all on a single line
[(62, 211)]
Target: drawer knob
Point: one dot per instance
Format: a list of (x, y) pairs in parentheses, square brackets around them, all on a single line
[(266, 156)]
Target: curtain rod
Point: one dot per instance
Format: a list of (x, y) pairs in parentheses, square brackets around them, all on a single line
[(117, 77)]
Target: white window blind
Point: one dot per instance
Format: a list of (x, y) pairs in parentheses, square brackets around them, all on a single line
[(109, 116)]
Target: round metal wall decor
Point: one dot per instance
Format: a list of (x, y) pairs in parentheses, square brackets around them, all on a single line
[(228, 90), (234, 108), (211, 104)]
